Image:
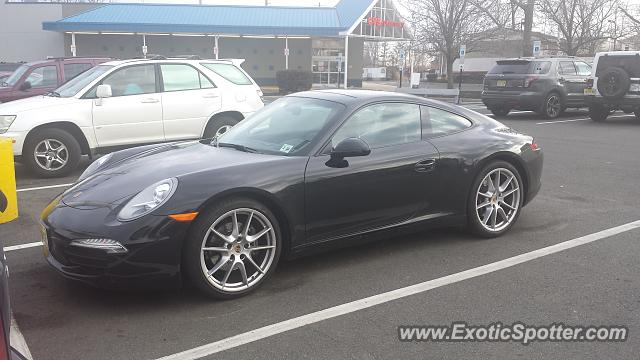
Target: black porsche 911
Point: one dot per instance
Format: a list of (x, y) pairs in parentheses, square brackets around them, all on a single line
[(311, 170)]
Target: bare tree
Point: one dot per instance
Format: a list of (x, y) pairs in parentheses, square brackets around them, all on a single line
[(503, 13), (443, 25), (583, 24)]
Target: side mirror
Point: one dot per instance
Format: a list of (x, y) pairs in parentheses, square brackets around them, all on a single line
[(25, 86), (350, 147), (103, 91)]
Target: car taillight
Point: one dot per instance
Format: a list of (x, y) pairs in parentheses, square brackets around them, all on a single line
[(528, 81), (534, 145), (590, 83)]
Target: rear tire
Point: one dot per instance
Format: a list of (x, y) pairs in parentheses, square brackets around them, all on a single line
[(500, 111), (491, 213), (219, 126), (553, 106), (598, 113), (51, 153), (232, 261), (637, 114)]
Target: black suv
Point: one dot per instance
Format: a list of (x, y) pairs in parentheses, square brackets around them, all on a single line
[(544, 85), (615, 85)]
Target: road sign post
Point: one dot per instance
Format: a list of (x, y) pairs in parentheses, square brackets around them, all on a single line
[(463, 52), (537, 45), (402, 54)]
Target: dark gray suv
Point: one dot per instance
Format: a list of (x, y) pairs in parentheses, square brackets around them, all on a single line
[(544, 85)]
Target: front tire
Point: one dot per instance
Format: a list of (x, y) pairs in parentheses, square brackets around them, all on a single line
[(500, 111), (496, 200), (232, 248), (598, 113), (219, 126), (552, 107), (51, 153)]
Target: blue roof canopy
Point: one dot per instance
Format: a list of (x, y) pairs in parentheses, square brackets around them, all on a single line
[(245, 20)]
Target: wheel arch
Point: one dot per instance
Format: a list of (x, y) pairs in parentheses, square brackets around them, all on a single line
[(263, 197), (67, 126), (237, 115), (512, 159)]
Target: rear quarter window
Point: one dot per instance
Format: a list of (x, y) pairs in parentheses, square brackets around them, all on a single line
[(630, 64), (229, 72)]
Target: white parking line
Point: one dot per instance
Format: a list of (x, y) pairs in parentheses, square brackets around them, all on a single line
[(291, 324), (583, 119), (44, 187), (22, 246)]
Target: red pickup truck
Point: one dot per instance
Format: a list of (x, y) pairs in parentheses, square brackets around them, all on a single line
[(41, 77)]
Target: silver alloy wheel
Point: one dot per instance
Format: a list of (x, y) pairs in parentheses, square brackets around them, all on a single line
[(553, 106), (223, 130), (51, 154), (497, 199), (238, 250)]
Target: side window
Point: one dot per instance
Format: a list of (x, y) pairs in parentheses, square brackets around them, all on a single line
[(177, 77), (229, 72), (383, 125), (566, 68), (44, 76), (73, 70), (439, 122), (132, 80), (583, 68), (205, 83)]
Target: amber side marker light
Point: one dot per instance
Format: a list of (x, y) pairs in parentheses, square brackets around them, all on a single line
[(184, 217)]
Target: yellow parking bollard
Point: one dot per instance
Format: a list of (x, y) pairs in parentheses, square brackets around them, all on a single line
[(8, 195)]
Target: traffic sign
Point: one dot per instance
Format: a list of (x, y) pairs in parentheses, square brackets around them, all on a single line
[(537, 45), (463, 52)]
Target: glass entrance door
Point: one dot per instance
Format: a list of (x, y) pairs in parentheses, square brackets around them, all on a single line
[(326, 71)]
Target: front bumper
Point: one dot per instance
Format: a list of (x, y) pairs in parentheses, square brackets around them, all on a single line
[(154, 246), (513, 100)]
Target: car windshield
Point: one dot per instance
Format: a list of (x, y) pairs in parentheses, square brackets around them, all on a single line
[(73, 86), (288, 126), (16, 75)]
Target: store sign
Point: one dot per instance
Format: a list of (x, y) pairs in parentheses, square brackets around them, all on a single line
[(376, 21)]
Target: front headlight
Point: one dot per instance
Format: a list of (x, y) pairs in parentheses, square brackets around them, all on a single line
[(5, 122), (148, 200), (95, 166)]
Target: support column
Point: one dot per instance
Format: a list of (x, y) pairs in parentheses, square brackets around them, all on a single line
[(145, 50), (346, 61), (73, 45), (216, 48), (286, 52)]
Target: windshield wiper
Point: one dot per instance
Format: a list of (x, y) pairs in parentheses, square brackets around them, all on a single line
[(53, 93), (237, 147)]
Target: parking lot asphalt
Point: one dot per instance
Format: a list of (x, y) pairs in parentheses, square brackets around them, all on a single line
[(590, 183)]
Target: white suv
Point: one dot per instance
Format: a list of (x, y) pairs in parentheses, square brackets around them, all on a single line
[(127, 103), (614, 84)]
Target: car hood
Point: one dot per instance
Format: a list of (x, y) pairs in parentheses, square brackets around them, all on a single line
[(33, 103), (119, 180)]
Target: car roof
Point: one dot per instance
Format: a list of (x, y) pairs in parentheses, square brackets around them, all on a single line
[(71, 59), (613, 53), (173, 60)]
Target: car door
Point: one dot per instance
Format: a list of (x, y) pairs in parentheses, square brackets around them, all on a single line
[(584, 71), (392, 184), (189, 98), (572, 83), (41, 80), (133, 114)]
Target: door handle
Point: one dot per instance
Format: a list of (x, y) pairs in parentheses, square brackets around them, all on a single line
[(149, 101), (210, 96), (425, 165)]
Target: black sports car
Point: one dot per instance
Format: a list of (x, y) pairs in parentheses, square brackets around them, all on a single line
[(313, 169)]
